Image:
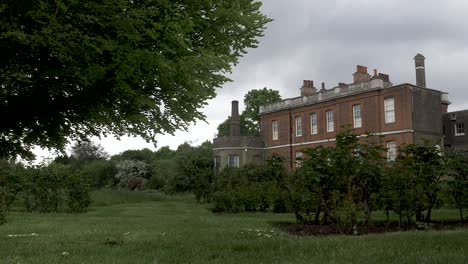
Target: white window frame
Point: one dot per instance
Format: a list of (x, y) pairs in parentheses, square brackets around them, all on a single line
[(274, 129), (313, 124), (330, 121), (298, 122), (389, 109), (298, 159), (233, 161), (391, 151), (459, 129), (357, 118)]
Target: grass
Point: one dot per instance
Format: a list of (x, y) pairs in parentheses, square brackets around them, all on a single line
[(125, 227)]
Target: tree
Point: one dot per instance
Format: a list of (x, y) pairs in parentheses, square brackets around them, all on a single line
[(87, 151), (250, 117), (114, 66)]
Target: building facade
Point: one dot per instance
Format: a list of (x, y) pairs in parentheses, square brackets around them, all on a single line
[(455, 127), (236, 150), (400, 114)]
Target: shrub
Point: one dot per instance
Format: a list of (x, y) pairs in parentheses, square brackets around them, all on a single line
[(54, 188), (130, 172), (78, 196), (10, 185)]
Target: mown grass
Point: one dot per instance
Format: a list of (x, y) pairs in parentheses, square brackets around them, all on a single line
[(124, 227)]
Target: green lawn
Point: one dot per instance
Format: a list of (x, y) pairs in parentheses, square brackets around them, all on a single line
[(124, 227)]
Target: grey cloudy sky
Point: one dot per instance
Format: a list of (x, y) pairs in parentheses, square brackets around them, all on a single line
[(324, 40)]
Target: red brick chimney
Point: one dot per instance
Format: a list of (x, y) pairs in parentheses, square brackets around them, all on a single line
[(235, 122), (308, 88), (361, 74)]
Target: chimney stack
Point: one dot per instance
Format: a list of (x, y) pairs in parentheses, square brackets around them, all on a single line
[(361, 74), (235, 122), (308, 88), (420, 70)]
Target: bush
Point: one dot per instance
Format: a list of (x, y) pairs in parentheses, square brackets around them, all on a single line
[(251, 188), (10, 185), (78, 196), (55, 188), (101, 172), (130, 174)]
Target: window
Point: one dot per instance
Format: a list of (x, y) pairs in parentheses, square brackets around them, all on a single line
[(459, 129), (298, 159), (389, 105), (217, 162), (313, 123), (391, 151), (233, 161), (298, 126), (357, 121), (274, 129), (330, 122)]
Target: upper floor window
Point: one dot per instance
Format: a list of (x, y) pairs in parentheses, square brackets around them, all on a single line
[(391, 151), (357, 120), (233, 161), (330, 121), (298, 159), (459, 129), (313, 123), (298, 126), (274, 129), (389, 105)]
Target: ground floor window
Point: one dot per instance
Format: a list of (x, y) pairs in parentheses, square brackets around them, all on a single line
[(459, 129), (298, 159), (391, 151), (233, 161), (217, 162)]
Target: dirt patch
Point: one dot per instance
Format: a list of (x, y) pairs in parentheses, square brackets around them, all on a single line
[(363, 229)]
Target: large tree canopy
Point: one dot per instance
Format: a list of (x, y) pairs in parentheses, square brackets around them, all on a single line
[(250, 117), (70, 69)]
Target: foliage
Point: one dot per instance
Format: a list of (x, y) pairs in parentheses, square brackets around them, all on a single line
[(253, 100), (145, 155), (250, 188), (132, 174), (338, 183), (250, 117), (55, 187), (121, 67), (101, 172), (86, 151), (458, 181), (10, 185)]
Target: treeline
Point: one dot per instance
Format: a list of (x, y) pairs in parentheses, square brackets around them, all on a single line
[(65, 184), (346, 183)]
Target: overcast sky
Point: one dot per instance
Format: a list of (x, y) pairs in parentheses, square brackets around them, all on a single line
[(324, 40)]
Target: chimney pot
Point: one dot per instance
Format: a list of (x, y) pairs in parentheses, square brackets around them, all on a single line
[(323, 86), (375, 72)]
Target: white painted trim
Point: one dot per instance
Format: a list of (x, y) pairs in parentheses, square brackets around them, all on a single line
[(334, 139), (420, 67), (237, 148)]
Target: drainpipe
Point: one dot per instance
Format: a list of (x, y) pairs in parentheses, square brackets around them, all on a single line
[(290, 141)]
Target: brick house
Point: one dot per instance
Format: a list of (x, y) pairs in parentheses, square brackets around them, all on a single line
[(401, 114), (455, 127)]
